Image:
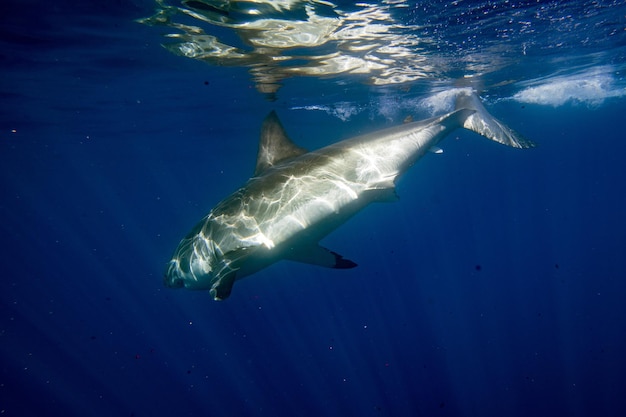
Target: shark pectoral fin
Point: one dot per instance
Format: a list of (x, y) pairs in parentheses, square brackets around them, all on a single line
[(223, 287), (318, 255)]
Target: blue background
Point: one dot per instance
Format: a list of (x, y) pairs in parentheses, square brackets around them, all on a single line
[(495, 286)]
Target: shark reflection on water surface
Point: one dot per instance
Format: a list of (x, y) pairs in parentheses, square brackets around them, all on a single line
[(296, 197), (277, 40)]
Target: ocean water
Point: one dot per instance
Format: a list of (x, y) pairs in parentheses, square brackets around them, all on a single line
[(495, 286)]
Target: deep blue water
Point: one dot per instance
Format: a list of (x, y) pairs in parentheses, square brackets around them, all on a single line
[(495, 286)]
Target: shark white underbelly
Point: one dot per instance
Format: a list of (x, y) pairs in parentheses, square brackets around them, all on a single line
[(298, 197)]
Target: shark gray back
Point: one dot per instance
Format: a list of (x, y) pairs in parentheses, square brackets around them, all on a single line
[(296, 198)]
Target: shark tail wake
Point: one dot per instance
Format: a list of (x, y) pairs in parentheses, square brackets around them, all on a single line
[(483, 123)]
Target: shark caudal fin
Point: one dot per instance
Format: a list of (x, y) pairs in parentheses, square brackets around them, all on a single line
[(485, 124)]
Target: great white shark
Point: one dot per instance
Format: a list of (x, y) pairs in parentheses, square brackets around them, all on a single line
[(296, 197)]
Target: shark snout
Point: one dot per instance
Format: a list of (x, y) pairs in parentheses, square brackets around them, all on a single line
[(196, 276), (172, 278), (173, 282)]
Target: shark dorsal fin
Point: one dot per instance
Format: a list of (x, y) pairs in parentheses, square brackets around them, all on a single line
[(274, 146)]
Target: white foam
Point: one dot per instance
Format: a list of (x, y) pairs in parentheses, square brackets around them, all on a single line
[(590, 88), (392, 107), (343, 110), (441, 102), (387, 106)]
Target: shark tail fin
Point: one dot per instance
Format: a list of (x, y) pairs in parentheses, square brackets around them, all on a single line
[(485, 124)]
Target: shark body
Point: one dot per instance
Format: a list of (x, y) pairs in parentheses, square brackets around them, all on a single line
[(296, 198)]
